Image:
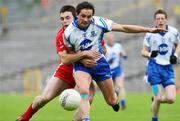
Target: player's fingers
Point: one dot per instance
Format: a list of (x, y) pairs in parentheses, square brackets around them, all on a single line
[(96, 55), (90, 63)]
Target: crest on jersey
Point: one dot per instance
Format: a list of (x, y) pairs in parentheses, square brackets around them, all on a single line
[(85, 45), (93, 34), (163, 49)]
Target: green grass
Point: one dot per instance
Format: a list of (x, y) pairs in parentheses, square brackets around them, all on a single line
[(138, 109)]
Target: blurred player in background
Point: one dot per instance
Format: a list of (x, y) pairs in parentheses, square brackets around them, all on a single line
[(115, 55), (86, 33), (63, 76), (162, 50)]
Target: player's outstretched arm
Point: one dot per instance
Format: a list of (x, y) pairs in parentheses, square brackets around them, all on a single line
[(134, 29)]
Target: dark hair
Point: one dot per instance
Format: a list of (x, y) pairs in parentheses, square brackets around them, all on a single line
[(160, 11), (84, 5), (68, 8)]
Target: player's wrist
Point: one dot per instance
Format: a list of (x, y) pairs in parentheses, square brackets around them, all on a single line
[(84, 54), (149, 30), (149, 55)]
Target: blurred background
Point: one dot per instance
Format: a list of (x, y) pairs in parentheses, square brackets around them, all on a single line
[(27, 39)]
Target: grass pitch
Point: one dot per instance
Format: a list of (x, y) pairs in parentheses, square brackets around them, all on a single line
[(138, 109)]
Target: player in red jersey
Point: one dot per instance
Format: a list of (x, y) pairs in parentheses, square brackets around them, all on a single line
[(63, 76)]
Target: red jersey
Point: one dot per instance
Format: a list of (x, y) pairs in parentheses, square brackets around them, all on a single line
[(64, 72)]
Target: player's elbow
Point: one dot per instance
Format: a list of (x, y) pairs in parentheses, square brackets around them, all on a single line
[(142, 53)]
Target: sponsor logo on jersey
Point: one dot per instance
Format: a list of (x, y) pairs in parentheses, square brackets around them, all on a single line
[(163, 49), (86, 45)]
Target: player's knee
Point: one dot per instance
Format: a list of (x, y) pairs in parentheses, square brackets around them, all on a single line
[(170, 100), (157, 99), (84, 90)]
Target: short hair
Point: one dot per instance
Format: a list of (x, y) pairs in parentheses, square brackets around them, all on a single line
[(160, 11), (84, 5), (68, 8)]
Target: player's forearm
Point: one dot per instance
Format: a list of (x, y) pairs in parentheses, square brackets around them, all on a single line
[(71, 58), (130, 28), (177, 49), (145, 53)]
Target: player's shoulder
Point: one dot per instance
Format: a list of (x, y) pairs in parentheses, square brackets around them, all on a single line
[(149, 34), (69, 30), (172, 29), (98, 20), (95, 18), (60, 33)]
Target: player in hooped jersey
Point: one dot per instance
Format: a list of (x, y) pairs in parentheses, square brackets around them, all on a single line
[(86, 33), (115, 55), (63, 76), (162, 50)]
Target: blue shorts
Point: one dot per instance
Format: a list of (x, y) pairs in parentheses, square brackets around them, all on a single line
[(116, 72), (160, 74), (99, 73)]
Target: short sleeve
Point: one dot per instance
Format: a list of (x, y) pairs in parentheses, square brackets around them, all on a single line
[(66, 39), (59, 42), (177, 38), (105, 24), (146, 40)]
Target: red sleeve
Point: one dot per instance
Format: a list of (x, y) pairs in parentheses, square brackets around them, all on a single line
[(59, 41), (103, 43)]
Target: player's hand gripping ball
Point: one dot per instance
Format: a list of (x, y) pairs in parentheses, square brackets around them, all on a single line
[(70, 99)]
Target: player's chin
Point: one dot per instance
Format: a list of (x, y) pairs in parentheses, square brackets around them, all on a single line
[(65, 26)]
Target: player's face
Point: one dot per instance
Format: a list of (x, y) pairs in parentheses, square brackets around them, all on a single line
[(66, 18), (84, 17), (110, 39), (161, 21)]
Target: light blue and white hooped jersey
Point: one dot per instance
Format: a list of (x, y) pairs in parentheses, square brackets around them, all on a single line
[(88, 39), (113, 55), (164, 43)]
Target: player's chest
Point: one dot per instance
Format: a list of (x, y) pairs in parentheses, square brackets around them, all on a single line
[(159, 39), (92, 33)]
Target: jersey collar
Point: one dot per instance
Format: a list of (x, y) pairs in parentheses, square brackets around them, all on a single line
[(163, 33)]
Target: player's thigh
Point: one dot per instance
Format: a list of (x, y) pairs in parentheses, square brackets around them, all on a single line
[(83, 81), (170, 92), (54, 87), (107, 88), (119, 81)]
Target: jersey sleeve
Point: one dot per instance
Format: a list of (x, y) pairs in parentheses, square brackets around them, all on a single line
[(105, 24), (66, 39), (59, 43), (177, 38), (146, 40), (103, 43)]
